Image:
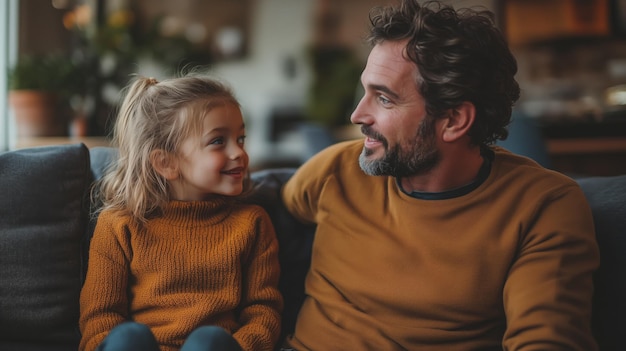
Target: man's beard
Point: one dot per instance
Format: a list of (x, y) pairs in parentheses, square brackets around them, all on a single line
[(403, 161)]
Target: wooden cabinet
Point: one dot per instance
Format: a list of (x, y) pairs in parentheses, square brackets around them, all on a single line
[(594, 148), (527, 21), (588, 156)]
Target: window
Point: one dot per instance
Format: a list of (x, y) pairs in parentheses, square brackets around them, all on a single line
[(8, 55)]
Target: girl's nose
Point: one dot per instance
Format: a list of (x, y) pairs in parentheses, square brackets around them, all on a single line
[(237, 151)]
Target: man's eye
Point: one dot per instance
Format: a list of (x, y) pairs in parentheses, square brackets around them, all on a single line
[(383, 100), (241, 140)]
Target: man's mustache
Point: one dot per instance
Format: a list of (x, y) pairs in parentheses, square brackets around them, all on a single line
[(371, 133)]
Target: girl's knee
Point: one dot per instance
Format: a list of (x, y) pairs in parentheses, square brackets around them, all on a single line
[(131, 330), (210, 338), (129, 336)]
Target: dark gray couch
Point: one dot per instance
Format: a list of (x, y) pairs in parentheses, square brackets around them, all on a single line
[(45, 226)]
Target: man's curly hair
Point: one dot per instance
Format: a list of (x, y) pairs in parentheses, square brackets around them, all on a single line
[(460, 56)]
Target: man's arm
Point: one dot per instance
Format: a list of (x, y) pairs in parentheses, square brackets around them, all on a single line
[(548, 293)]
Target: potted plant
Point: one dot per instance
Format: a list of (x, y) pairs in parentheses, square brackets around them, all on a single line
[(39, 90)]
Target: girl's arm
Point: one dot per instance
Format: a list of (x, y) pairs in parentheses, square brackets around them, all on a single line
[(104, 297), (262, 303)]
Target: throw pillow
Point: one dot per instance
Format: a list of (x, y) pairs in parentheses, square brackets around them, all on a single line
[(43, 214)]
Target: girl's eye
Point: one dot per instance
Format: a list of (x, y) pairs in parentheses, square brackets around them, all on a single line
[(217, 141), (241, 140)]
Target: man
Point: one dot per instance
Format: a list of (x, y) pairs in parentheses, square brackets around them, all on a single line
[(428, 237)]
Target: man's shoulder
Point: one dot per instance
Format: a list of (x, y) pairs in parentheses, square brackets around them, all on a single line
[(338, 162), (349, 149), (518, 169), (340, 156)]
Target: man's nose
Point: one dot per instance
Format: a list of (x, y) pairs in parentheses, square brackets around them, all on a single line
[(358, 115)]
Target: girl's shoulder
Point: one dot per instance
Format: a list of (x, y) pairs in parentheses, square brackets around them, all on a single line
[(116, 220), (113, 227), (114, 215)]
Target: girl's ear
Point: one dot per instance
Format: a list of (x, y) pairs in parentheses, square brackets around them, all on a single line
[(164, 164), (459, 122)]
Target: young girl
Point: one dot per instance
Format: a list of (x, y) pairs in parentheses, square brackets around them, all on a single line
[(175, 262)]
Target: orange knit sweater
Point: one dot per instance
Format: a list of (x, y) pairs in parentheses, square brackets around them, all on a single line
[(200, 263)]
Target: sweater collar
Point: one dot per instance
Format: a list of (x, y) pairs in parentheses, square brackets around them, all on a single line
[(196, 213), (488, 157)]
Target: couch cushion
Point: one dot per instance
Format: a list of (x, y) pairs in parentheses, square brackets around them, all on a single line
[(607, 198), (42, 222)]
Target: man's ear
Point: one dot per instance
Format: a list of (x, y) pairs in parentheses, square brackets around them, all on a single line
[(459, 121), (164, 164)]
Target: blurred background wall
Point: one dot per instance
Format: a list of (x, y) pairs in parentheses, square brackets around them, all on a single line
[(295, 64)]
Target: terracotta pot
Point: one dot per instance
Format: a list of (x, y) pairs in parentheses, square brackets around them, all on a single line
[(38, 113)]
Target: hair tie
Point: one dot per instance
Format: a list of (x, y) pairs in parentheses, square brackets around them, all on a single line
[(152, 81)]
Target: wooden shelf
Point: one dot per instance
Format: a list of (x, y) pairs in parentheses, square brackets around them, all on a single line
[(589, 156), (576, 146)]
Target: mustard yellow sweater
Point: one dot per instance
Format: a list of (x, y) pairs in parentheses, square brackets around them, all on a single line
[(506, 266), (200, 263)]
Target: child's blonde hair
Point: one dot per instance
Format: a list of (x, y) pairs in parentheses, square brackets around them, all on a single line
[(155, 116)]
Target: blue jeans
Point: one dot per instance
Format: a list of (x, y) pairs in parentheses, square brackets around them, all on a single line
[(131, 336)]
